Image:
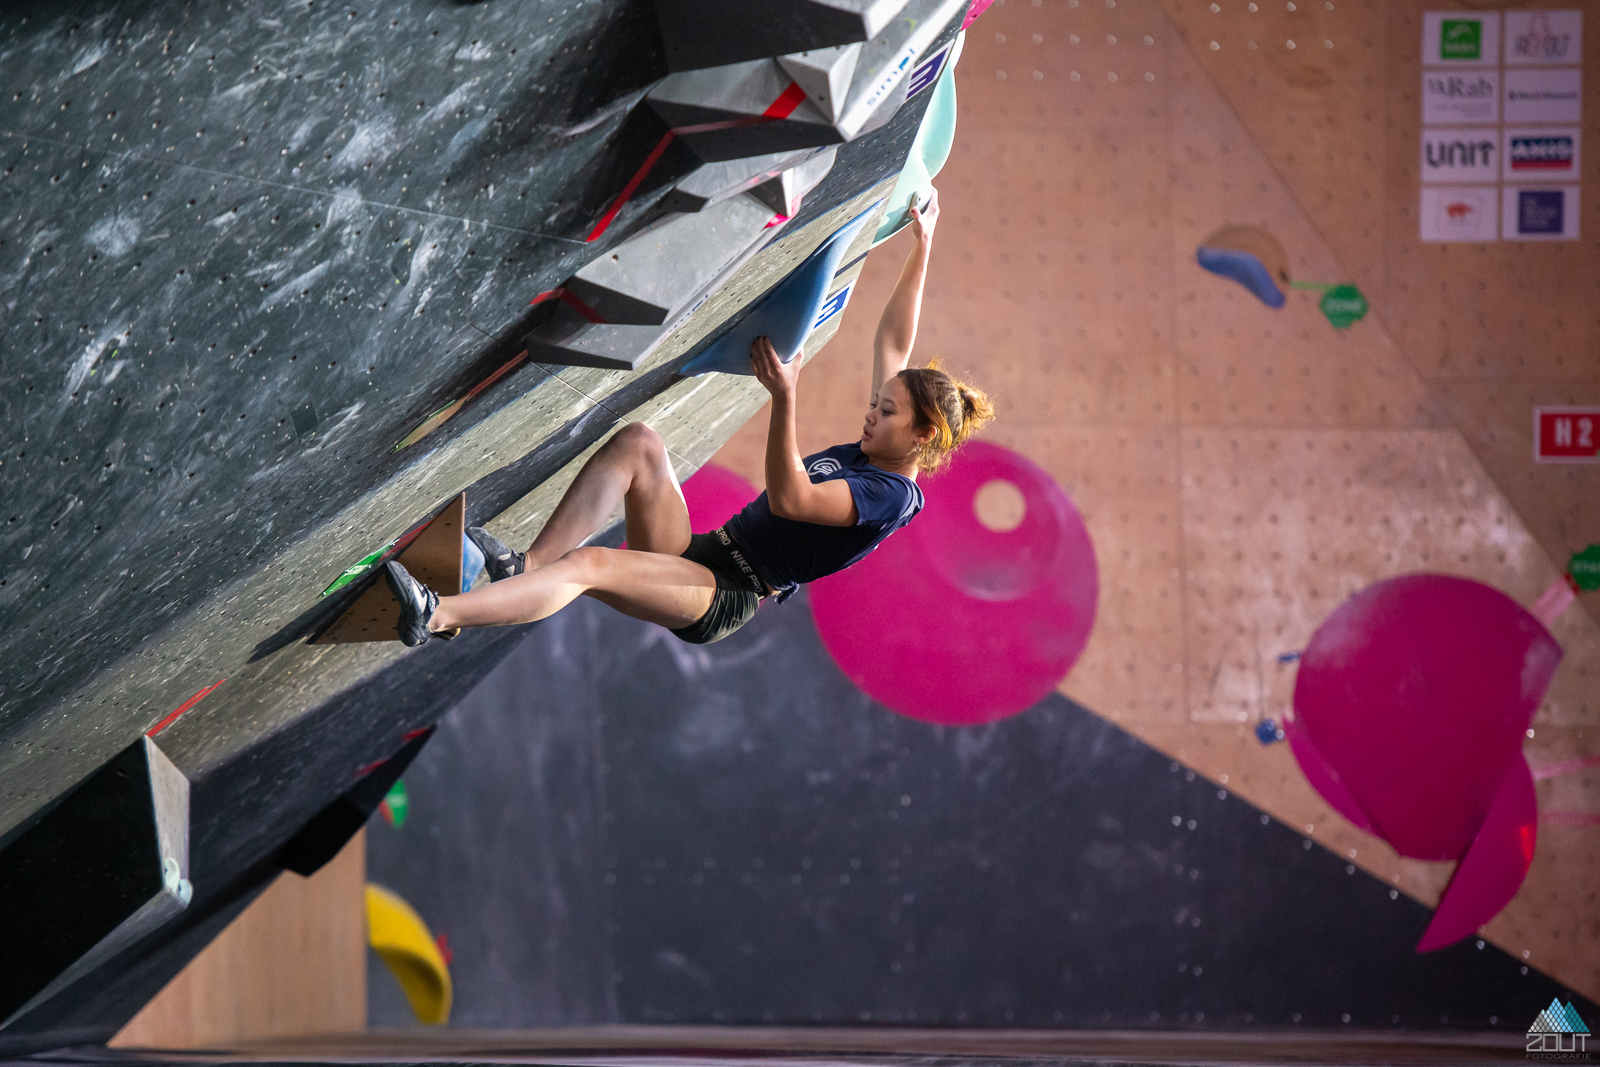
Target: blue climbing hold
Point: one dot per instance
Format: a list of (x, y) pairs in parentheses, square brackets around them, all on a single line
[(1268, 731), (1250, 256), (786, 315), (471, 563), (1245, 269)]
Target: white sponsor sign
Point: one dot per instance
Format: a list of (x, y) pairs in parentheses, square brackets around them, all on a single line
[(1544, 38), (1461, 96), (1534, 214), (1466, 213), (1461, 39), (1541, 153), (1544, 95), (1460, 154)]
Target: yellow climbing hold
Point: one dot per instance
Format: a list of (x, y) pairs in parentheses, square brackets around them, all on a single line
[(402, 940)]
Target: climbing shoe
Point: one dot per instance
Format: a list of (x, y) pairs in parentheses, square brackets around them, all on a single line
[(417, 604), (498, 559)]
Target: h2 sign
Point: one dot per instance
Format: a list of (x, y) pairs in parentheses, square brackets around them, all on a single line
[(1566, 435)]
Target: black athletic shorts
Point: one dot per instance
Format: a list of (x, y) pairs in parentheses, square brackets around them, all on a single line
[(739, 588)]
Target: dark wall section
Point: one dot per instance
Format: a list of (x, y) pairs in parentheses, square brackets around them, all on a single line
[(246, 809), (619, 826)]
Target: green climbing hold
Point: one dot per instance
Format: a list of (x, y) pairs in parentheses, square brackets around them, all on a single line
[(1344, 304), (395, 803), (1584, 568), (356, 571)]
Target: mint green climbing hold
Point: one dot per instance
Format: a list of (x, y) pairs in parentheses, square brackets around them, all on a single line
[(1344, 304), (1584, 567), (928, 154)]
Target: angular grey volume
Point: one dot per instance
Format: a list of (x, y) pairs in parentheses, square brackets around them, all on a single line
[(651, 276), (723, 112), (825, 74), (711, 33), (711, 183), (103, 868), (880, 73), (643, 285), (783, 192)]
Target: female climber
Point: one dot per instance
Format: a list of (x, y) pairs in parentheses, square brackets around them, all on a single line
[(818, 515)]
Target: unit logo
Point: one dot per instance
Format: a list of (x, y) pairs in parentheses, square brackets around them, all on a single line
[(1460, 153), (1558, 1034), (1541, 41), (1460, 39), (1543, 153), (1541, 211)]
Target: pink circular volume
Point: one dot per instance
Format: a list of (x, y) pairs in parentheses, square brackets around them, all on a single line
[(956, 622), (715, 495), (1410, 711)]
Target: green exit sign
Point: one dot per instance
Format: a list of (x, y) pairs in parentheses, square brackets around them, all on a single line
[(1461, 39)]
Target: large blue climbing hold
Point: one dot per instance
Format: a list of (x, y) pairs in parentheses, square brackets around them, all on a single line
[(786, 315), (1245, 269)]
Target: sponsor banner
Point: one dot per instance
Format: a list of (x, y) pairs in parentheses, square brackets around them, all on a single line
[(1548, 153), (1539, 214), (1544, 38), (1462, 213), (1462, 154), (1450, 96), (1461, 39), (1566, 435), (1543, 96)]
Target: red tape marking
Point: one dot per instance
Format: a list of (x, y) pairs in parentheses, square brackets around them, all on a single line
[(412, 735), (496, 376), (632, 186), (569, 298), (1566, 766), (185, 706), (787, 101), (781, 108), (367, 768)]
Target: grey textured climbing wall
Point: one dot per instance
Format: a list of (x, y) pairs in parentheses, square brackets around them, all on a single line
[(245, 248)]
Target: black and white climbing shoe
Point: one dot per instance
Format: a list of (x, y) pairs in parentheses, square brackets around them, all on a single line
[(417, 603), (498, 559)]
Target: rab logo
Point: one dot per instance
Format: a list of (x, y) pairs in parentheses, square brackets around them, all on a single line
[(824, 467)]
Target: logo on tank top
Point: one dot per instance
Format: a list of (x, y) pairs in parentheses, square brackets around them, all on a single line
[(824, 467)]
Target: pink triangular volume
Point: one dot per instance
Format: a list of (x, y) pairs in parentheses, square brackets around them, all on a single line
[(1324, 779), (1495, 864), (978, 7)]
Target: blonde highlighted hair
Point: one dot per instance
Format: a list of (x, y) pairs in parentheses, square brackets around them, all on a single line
[(954, 409)]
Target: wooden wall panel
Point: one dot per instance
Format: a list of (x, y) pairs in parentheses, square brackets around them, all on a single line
[(293, 964), (1243, 470)]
